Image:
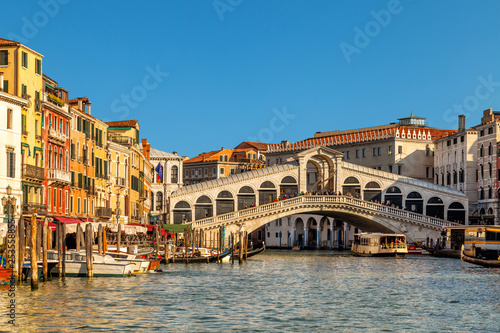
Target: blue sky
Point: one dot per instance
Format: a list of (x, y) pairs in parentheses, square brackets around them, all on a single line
[(200, 75)]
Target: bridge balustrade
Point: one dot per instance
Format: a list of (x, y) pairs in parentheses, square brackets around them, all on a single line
[(379, 208)]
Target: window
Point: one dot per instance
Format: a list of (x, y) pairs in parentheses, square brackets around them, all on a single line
[(462, 138), (374, 151), (232, 171), (454, 141), (390, 150), (85, 206), (400, 169), (225, 158), (48, 200), (364, 152), (357, 153), (221, 171), (214, 172), (66, 201), (25, 59), (71, 205), (427, 172), (379, 151), (481, 151), (400, 149), (11, 164), (193, 172), (24, 89), (206, 172), (481, 133), (348, 154), (38, 66), (6, 86), (186, 173), (9, 118), (220, 158), (390, 168), (490, 131), (4, 58)]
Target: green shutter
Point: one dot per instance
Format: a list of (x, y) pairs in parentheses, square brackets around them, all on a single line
[(6, 86), (106, 168)]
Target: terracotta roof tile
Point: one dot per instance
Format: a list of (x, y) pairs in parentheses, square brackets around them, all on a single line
[(123, 123), (4, 41)]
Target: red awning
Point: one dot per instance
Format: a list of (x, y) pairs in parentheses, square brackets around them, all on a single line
[(151, 227), (67, 220), (86, 220)]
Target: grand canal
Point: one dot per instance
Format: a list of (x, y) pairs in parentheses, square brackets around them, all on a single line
[(276, 292)]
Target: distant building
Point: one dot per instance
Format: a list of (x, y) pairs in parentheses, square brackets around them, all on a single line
[(221, 163), (404, 148), (455, 166)]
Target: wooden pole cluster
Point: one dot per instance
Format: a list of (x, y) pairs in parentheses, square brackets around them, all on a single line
[(232, 247), (99, 239)]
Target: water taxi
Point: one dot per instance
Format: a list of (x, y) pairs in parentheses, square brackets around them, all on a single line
[(379, 245), (481, 245)]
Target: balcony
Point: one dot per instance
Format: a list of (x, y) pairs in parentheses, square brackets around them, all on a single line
[(32, 173), (56, 136), (38, 137), (54, 102), (121, 140), (30, 208), (25, 132), (103, 212), (59, 177), (119, 181)]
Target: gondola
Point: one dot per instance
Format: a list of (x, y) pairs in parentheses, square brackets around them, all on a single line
[(477, 261), (236, 254), (200, 259)]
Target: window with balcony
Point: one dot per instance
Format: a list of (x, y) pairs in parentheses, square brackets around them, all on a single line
[(4, 58)]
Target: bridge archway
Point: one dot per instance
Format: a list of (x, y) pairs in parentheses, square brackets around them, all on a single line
[(435, 207), (312, 232), (325, 161), (298, 238), (414, 202), (351, 185), (182, 212), (288, 187), (325, 234), (456, 212), (372, 192), (203, 208), (393, 196), (224, 203), (267, 192), (246, 197)]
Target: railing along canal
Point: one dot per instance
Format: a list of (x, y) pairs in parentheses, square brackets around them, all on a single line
[(297, 201)]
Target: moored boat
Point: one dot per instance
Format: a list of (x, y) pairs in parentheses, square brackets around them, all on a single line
[(201, 259), (480, 260), (251, 253), (379, 245), (103, 265), (414, 248)]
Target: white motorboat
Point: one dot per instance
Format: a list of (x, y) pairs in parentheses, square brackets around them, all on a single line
[(379, 245), (76, 264)]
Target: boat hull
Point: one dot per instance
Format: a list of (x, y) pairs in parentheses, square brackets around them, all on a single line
[(481, 262)]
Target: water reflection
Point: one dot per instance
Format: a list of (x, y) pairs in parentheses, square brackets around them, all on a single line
[(275, 291)]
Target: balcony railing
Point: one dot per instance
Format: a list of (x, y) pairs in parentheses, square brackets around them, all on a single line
[(120, 181), (61, 177), (103, 212), (122, 140), (55, 135), (29, 208), (32, 172), (38, 137)]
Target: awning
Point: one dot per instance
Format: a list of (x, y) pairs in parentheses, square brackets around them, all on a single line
[(176, 228), (51, 225), (68, 220), (87, 220), (49, 85)]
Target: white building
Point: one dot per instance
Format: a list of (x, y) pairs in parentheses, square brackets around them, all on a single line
[(10, 151), (455, 164), (167, 178)]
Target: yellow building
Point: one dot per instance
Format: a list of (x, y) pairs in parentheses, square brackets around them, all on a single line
[(103, 211), (21, 73), (130, 171)]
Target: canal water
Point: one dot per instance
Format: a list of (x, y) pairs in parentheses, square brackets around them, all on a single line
[(272, 292)]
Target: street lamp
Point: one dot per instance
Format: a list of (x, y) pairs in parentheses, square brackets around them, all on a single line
[(9, 204)]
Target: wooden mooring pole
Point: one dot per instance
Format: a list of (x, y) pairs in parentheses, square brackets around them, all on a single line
[(22, 248), (241, 248), (99, 239), (88, 250), (45, 246), (119, 238), (33, 248)]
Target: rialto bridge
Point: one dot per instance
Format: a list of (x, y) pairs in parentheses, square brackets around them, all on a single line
[(370, 200)]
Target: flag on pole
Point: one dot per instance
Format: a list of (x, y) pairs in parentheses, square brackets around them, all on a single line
[(159, 170)]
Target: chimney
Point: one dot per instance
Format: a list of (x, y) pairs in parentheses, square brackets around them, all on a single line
[(146, 148), (461, 123), (175, 153), (80, 105), (222, 148), (88, 109)]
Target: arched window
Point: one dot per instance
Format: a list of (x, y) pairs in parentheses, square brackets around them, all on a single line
[(66, 166), (174, 174), (481, 151), (490, 149), (159, 201), (50, 156), (60, 159)]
